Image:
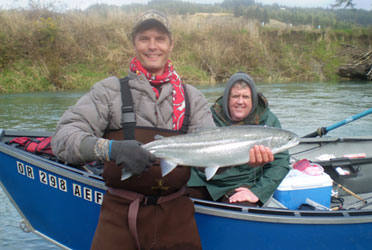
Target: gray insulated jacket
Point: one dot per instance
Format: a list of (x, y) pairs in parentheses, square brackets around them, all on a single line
[(100, 110)]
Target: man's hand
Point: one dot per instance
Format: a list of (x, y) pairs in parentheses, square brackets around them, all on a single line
[(243, 194), (260, 155)]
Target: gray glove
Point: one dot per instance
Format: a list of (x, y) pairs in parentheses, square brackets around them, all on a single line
[(131, 156)]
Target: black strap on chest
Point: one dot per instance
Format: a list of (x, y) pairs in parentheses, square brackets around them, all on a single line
[(186, 120), (128, 118)]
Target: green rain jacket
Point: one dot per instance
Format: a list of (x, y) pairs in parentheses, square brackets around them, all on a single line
[(262, 181)]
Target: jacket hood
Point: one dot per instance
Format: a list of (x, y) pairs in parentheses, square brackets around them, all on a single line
[(240, 76), (256, 118)]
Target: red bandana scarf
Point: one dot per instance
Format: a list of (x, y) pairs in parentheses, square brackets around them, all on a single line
[(169, 75)]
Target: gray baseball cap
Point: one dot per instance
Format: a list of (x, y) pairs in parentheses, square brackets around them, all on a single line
[(149, 16)]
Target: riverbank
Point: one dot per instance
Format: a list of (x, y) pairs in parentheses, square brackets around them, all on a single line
[(46, 51)]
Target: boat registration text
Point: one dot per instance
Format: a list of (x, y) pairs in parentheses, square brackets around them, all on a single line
[(59, 183)]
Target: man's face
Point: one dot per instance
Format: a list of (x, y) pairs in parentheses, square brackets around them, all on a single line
[(153, 47), (240, 102)]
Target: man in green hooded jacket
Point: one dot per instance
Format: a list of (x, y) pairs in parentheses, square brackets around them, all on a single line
[(244, 184)]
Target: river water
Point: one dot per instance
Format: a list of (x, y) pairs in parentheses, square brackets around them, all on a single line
[(301, 108)]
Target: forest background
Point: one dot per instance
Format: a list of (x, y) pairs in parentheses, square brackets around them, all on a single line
[(44, 49)]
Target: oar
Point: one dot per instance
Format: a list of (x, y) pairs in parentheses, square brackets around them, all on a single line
[(324, 130), (350, 192)]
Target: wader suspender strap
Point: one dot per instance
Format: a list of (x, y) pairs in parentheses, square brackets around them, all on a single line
[(186, 119), (137, 199), (128, 117)]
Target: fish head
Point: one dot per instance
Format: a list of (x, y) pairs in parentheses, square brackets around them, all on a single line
[(284, 140)]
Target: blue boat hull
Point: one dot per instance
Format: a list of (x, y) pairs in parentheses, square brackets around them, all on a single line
[(62, 204), (218, 232), (57, 205)]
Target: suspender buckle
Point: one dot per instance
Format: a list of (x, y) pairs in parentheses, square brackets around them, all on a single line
[(150, 200), (129, 117)]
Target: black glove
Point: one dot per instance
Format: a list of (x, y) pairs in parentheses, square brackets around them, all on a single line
[(134, 158)]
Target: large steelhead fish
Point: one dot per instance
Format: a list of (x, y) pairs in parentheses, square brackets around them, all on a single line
[(218, 147)]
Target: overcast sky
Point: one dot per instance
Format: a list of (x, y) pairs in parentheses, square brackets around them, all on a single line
[(82, 4)]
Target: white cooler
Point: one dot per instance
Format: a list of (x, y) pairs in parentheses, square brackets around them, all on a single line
[(297, 186)]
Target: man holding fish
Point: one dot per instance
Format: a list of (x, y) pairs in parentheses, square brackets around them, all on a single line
[(143, 208), (242, 105)]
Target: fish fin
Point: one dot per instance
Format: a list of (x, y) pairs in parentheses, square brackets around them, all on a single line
[(158, 137), (210, 172), (125, 175), (166, 166)]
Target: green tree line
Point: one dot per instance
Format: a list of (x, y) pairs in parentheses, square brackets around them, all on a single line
[(330, 17)]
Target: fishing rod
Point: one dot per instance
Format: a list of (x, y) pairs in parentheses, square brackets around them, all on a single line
[(343, 161), (324, 130)]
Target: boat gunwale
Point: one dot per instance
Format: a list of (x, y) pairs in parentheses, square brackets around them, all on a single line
[(335, 139), (274, 215)]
